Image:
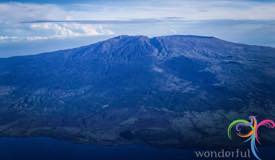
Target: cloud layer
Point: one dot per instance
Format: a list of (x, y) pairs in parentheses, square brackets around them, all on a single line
[(123, 10), (246, 21), (30, 21)]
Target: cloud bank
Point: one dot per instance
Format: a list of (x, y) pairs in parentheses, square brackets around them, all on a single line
[(246, 21), (38, 21)]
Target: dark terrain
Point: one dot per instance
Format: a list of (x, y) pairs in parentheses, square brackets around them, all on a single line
[(167, 91)]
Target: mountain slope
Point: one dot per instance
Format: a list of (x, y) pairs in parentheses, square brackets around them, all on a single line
[(135, 88)]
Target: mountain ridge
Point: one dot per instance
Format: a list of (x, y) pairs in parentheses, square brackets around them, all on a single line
[(150, 38)]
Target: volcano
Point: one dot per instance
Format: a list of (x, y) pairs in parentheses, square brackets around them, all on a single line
[(179, 90)]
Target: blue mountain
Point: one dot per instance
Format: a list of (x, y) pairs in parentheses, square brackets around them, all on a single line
[(169, 90)]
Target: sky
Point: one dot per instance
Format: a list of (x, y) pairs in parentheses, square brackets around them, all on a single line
[(35, 26)]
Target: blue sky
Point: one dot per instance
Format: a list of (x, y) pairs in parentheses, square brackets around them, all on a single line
[(34, 26)]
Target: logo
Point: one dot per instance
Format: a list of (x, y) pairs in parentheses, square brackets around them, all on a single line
[(252, 135)]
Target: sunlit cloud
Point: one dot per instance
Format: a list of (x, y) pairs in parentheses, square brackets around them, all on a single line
[(45, 31), (70, 30)]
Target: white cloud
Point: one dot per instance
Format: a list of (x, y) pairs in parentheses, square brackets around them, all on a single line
[(45, 31), (13, 14), (63, 30), (3, 38)]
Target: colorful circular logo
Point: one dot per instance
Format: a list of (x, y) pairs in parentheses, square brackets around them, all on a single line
[(253, 135)]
